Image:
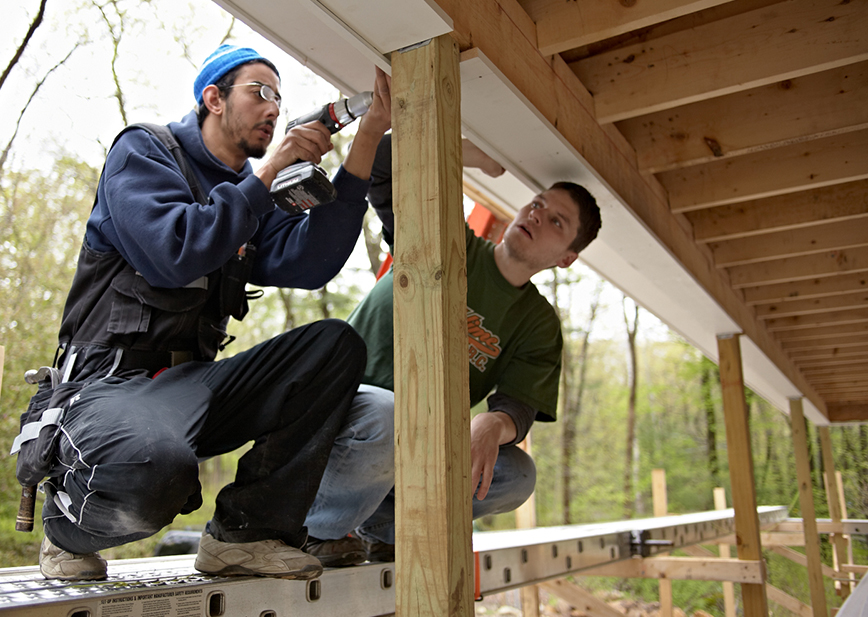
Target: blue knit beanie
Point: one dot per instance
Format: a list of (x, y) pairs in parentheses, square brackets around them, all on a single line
[(223, 60)]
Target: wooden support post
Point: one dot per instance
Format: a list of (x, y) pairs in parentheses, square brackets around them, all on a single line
[(839, 544), (741, 468), (525, 518), (659, 499), (806, 501), (728, 588), (660, 505), (847, 539), (434, 558)]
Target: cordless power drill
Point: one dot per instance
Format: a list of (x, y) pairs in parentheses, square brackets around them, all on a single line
[(303, 185)]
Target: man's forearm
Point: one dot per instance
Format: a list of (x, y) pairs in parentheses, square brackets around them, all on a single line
[(360, 158)]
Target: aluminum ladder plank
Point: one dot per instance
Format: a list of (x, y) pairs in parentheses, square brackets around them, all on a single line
[(170, 586)]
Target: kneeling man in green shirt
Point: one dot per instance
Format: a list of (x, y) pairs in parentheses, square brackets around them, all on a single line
[(514, 346)]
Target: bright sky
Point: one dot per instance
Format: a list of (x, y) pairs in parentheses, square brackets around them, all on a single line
[(75, 108)]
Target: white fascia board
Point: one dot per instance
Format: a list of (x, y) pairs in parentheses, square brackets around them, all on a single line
[(503, 123), (769, 382), (391, 24), (342, 40)]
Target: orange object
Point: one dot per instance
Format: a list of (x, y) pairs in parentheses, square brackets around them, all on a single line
[(384, 267), (485, 225)]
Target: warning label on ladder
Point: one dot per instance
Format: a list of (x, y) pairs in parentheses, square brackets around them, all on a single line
[(179, 603)]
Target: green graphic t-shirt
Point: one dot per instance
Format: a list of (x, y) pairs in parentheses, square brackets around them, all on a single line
[(513, 335)]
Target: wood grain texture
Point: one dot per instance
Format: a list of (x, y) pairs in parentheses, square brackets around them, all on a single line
[(806, 501), (741, 468), (434, 567), (839, 543), (728, 587), (848, 201), (798, 37), (778, 171), (789, 111), (562, 25)]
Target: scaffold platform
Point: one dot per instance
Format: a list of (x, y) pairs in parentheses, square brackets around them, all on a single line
[(171, 587)]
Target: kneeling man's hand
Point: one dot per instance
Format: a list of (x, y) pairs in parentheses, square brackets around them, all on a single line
[(487, 432)]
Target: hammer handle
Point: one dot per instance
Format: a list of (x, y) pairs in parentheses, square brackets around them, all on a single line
[(24, 520)]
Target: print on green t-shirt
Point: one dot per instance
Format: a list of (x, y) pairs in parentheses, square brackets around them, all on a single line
[(513, 334)]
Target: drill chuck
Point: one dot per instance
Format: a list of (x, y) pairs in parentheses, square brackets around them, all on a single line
[(337, 115)]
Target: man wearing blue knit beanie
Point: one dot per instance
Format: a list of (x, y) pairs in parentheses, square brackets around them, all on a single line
[(136, 398)]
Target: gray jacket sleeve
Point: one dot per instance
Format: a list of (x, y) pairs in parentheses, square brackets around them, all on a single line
[(522, 414)]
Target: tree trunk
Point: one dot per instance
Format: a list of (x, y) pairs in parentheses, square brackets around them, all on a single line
[(37, 21), (705, 380), (632, 449), (372, 244), (570, 413), (324, 302), (286, 297)]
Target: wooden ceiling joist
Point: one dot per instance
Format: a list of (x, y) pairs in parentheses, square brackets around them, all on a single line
[(841, 360), (819, 357), (838, 383), (810, 321), (781, 213), (808, 307), (842, 330), (565, 25), (800, 268), (813, 288), (847, 412), (798, 37), (843, 394), (779, 114), (819, 238), (857, 368), (850, 340), (778, 171), (824, 377)]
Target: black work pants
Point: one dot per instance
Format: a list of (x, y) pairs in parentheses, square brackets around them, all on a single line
[(131, 447)]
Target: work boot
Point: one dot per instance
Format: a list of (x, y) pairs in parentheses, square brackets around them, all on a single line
[(379, 551), (347, 551), (56, 563), (263, 558)]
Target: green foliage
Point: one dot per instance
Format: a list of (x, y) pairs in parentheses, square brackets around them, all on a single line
[(43, 215)]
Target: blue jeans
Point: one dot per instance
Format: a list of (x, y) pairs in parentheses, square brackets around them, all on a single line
[(357, 489)]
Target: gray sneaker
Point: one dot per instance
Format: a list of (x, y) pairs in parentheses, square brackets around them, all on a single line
[(56, 563), (263, 558)]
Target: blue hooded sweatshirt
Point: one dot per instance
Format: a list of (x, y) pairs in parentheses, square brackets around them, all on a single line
[(146, 211)]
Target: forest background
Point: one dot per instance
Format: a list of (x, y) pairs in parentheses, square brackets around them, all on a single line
[(634, 395)]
